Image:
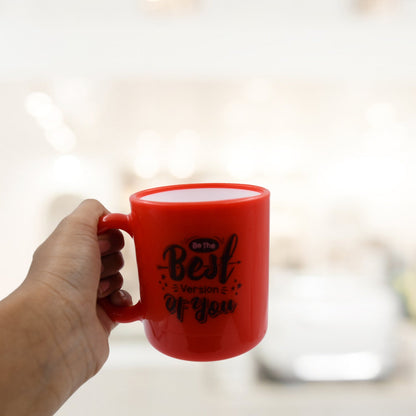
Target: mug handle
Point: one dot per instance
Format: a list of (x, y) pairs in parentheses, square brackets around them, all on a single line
[(120, 314)]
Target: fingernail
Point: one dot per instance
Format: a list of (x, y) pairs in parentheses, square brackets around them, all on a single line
[(104, 245), (123, 294), (103, 287)]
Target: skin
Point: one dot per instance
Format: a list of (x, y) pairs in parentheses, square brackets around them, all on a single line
[(53, 335)]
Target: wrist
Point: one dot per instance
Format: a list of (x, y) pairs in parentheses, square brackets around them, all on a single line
[(44, 349), (63, 329)]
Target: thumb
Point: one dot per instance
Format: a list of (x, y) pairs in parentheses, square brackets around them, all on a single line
[(71, 253)]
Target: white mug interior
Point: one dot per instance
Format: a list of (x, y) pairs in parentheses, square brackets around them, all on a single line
[(200, 195)]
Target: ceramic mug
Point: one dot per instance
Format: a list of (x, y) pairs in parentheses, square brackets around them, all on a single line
[(202, 255)]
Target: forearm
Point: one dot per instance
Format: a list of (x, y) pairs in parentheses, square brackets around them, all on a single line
[(39, 364), (53, 336)]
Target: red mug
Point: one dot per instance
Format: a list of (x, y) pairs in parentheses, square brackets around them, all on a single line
[(202, 255)]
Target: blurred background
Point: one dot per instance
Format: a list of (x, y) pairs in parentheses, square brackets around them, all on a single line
[(315, 100)]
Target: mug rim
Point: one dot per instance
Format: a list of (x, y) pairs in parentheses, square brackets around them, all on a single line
[(137, 197)]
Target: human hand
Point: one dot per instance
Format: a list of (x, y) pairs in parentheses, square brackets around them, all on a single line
[(58, 304)]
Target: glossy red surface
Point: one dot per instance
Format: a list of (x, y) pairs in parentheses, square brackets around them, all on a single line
[(203, 272)]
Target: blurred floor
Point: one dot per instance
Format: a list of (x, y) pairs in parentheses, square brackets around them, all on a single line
[(158, 385)]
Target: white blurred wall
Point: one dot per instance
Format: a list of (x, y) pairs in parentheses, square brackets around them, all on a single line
[(340, 39)]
